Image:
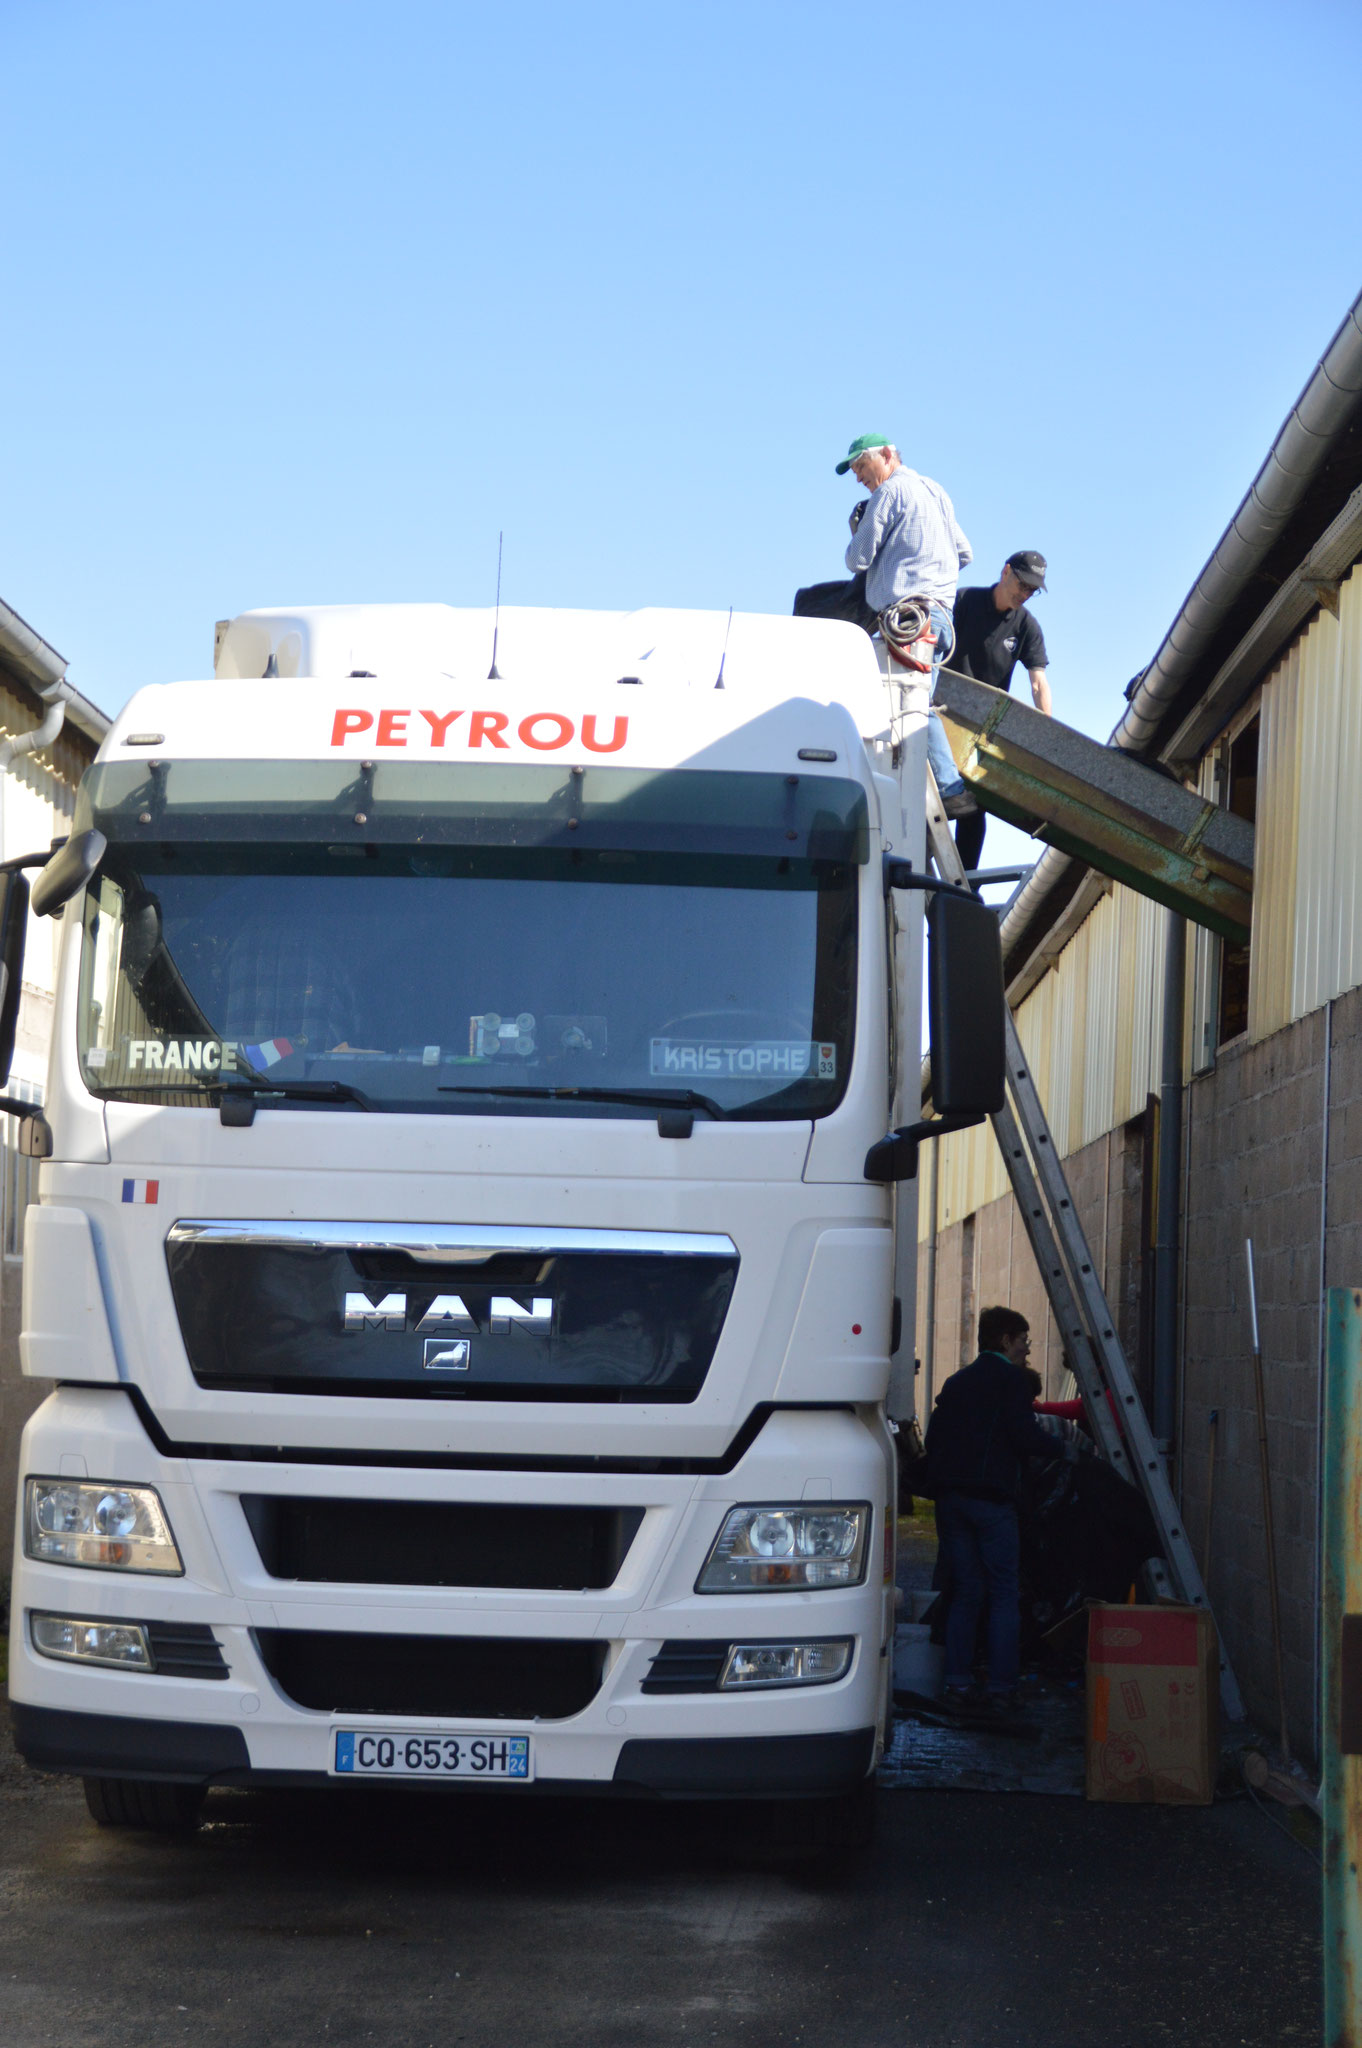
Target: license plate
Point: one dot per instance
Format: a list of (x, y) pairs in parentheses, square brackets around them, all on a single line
[(396, 1753)]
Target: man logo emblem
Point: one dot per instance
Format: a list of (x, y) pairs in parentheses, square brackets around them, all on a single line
[(445, 1355), (448, 1313)]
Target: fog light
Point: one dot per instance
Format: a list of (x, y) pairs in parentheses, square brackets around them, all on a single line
[(787, 1550), (90, 1522), (787, 1663), (122, 1644)]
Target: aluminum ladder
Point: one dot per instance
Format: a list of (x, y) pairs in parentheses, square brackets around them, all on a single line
[(1086, 1325)]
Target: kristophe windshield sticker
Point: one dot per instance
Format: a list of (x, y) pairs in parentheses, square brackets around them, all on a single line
[(742, 1058)]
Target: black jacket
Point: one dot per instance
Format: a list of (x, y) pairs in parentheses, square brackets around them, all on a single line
[(982, 1428)]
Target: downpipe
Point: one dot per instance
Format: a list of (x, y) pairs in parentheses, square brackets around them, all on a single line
[(56, 696), (1168, 1215), (44, 670)]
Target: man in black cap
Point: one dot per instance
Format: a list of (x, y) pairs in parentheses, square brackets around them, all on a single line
[(993, 632)]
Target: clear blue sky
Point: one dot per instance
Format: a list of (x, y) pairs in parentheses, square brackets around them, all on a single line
[(304, 301)]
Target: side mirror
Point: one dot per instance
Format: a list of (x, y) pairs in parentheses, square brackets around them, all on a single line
[(67, 872), (13, 931), (966, 1003)]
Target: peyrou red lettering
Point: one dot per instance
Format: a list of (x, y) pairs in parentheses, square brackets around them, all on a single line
[(543, 732)]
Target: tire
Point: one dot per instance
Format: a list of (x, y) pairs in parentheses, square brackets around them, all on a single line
[(140, 1803)]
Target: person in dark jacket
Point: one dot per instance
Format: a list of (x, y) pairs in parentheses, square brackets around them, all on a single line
[(981, 1432)]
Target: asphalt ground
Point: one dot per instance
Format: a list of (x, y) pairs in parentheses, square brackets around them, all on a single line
[(978, 1920)]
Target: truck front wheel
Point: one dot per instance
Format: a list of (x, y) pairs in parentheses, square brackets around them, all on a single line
[(137, 1803)]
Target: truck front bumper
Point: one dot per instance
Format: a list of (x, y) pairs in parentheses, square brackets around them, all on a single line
[(678, 1767), (242, 1726)]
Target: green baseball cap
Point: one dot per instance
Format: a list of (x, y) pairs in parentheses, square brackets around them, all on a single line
[(862, 445)]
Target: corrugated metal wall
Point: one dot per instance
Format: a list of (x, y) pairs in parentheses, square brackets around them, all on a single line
[(1307, 890), (1091, 1030), (971, 1174)]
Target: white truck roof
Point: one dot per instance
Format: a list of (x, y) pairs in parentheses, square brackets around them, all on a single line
[(636, 689), (811, 657)]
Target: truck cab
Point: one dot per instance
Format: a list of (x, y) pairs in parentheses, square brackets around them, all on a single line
[(470, 1317)]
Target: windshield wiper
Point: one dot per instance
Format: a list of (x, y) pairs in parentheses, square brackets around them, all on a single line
[(243, 1084), (237, 1097), (650, 1098), (343, 1091), (107, 1089)]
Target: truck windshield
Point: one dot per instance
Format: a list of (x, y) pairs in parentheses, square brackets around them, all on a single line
[(413, 972)]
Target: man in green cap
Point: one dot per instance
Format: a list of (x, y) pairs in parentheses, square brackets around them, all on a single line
[(906, 544)]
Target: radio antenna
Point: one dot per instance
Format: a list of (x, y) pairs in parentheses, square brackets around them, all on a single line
[(494, 673), (719, 679)]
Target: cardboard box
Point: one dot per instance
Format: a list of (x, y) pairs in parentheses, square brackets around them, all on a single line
[(1153, 1705)]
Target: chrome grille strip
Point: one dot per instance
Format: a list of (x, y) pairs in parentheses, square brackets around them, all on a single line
[(441, 1244)]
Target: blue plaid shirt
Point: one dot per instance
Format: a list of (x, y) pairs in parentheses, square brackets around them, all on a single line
[(909, 543)]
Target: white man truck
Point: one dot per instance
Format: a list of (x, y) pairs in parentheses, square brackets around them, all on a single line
[(465, 1243)]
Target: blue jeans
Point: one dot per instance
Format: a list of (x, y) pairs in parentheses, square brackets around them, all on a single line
[(948, 777), (981, 1545)]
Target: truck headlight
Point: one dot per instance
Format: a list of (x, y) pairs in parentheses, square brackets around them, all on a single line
[(122, 1644), (98, 1523), (787, 1549), (752, 1664)]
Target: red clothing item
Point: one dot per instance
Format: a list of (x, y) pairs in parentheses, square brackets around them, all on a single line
[(1072, 1411)]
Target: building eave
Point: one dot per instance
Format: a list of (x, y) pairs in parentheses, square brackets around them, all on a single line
[(29, 665), (1295, 534)]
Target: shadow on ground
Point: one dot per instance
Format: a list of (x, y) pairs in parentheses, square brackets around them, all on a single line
[(365, 1916)]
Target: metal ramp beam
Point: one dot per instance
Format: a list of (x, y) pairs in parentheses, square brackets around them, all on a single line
[(1101, 805), (1086, 1325)]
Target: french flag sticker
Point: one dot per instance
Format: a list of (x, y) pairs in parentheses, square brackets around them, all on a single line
[(269, 1052), (141, 1190)]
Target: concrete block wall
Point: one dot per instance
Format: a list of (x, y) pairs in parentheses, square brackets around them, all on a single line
[(994, 1244), (1255, 1138), (1255, 1167)]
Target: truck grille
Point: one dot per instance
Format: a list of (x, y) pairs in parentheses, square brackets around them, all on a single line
[(439, 1312), (440, 1543), (447, 1677)]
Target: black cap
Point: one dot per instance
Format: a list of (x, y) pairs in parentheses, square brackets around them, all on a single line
[(1028, 566)]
